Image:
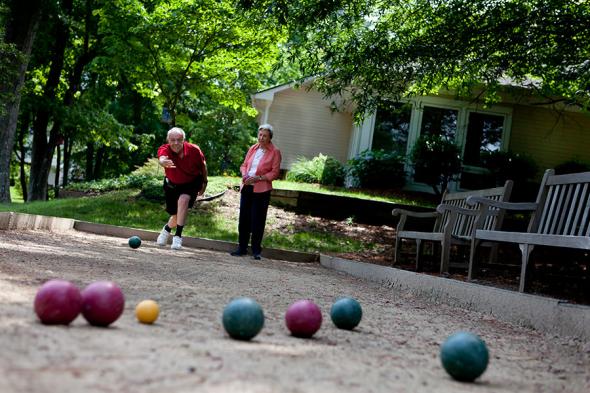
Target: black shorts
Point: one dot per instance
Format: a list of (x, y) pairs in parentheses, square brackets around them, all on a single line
[(173, 191)]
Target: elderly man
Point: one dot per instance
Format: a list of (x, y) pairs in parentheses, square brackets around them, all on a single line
[(186, 177)]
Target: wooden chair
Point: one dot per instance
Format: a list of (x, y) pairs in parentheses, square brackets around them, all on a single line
[(560, 218), (454, 223)]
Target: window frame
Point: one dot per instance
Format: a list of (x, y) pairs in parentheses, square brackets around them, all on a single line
[(464, 110)]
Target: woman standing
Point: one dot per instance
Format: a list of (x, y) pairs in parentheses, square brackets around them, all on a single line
[(260, 167)]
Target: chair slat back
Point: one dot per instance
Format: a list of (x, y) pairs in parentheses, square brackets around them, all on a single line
[(465, 225), (564, 205)]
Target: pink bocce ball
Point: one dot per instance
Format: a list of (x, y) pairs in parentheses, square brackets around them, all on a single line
[(102, 303), (58, 302), (303, 318)]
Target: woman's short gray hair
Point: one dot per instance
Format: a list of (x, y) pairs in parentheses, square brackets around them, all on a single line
[(266, 127), (175, 130)]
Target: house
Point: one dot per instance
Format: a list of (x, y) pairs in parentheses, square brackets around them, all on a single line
[(306, 125)]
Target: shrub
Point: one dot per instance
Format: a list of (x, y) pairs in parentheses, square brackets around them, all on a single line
[(321, 169), (377, 169), (507, 165), (152, 190), (572, 166), (436, 161), (140, 178)]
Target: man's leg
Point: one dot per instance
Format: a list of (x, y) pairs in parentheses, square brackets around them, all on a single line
[(179, 220), (171, 197), (259, 210)]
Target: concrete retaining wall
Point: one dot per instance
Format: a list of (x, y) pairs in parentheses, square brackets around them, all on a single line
[(541, 313), (15, 221)]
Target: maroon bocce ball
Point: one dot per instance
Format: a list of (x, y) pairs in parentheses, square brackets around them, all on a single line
[(58, 302), (102, 303), (303, 318)]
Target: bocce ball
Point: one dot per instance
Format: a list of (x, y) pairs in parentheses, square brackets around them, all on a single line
[(243, 318), (346, 313), (464, 356), (303, 318), (147, 311), (58, 302), (102, 303), (134, 242)]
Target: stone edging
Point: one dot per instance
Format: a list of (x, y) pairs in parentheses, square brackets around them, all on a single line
[(544, 314)]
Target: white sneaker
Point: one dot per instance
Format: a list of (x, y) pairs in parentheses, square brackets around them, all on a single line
[(176, 243), (163, 237)]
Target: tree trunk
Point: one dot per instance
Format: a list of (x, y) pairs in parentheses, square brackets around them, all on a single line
[(57, 166), (24, 129), (42, 151), (67, 151), (100, 155), (89, 172), (21, 26)]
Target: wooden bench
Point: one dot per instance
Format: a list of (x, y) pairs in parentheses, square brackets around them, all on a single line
[(560, 218), (454, 223)]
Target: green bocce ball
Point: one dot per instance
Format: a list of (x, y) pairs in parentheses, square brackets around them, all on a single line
[(134, 242), (346, 313), (464, 356), (243, 318)]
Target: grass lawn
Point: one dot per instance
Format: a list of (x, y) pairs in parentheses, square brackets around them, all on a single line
[(126, 208)]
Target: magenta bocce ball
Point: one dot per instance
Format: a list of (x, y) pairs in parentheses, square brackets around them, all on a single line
[(58, 302), (303, 318), (102, 303)]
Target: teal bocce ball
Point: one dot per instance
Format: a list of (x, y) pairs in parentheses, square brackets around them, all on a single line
[(464, 356), (346, 313), (134, 242), (243, 318)]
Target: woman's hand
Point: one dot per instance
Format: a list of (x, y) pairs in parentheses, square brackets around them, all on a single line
[(251, 180)]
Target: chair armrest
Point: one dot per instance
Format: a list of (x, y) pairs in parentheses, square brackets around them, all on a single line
[(404, 214), (442, 208), (474, 200), (410, 213)]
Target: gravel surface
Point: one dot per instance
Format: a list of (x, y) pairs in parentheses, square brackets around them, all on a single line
[(394, 349)]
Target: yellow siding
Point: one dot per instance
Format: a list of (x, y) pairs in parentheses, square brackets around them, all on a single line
[(305, 126), (550, 137)]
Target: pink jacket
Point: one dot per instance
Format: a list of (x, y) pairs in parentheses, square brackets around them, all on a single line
[(269, 167)]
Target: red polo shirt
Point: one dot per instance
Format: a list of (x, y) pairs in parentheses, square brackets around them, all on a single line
[(188, 167)]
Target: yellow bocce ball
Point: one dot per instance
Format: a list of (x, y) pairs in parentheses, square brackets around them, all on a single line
[(147, 311)]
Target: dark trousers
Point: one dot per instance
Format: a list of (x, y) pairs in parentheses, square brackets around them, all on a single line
[(253, 208)]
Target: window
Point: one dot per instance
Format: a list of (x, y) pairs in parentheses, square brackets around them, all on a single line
[(484, 134), (397, 126), (439, 121), (392, 126)]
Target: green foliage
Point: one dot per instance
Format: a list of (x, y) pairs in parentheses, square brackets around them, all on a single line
[(182, 51), (436, 161), (377, 169), (324, 170), (400, 48), (572, 166), (124, 208), (503, 166), (152, 190)]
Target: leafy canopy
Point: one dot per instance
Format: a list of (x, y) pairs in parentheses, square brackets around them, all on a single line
[(374, 49)]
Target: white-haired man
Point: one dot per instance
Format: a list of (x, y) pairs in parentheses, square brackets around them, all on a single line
[(186, 177)]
